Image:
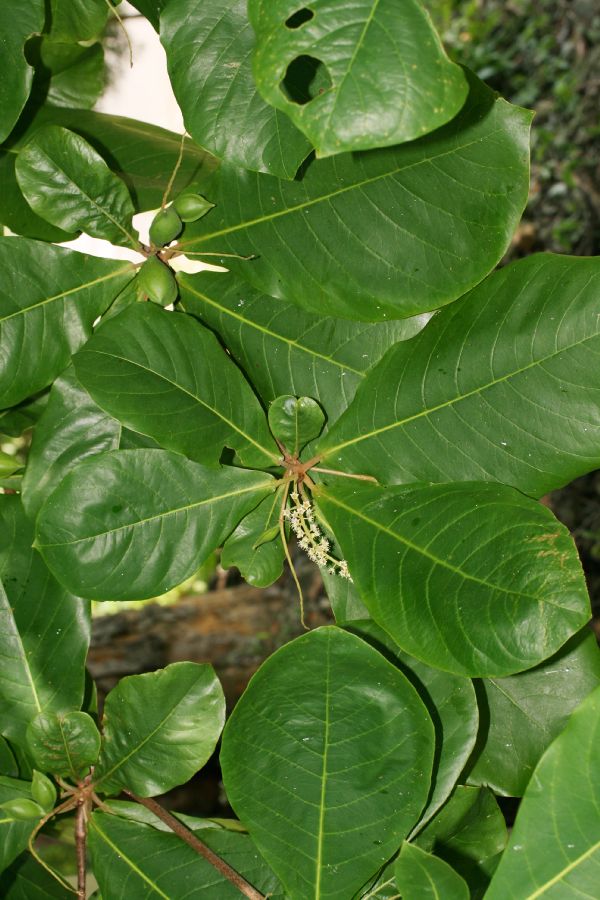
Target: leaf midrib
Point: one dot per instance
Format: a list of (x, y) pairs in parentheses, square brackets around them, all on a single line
[(121, 855)]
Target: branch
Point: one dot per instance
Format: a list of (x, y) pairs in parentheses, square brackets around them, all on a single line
[(80, 841)]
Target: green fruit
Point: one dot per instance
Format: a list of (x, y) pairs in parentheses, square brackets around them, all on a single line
[(21, 809), (192, 206), (165, 227), (157, 281), (8, 464), (43, 791)]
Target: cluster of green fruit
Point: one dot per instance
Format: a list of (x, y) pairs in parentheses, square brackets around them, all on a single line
[(156, 280)]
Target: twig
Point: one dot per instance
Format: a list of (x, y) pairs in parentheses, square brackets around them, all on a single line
[(115, 13), (344, 474), (173, 173), (286, 550), (190, 838), (80, 841)]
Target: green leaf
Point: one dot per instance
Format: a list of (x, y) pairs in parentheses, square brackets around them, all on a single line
[(385, 74), (286, 350), (450, 701), (15, 421), (77, 20), (48, 290), (68, 183), (27, 880), (419, 874), (374, 235), (523, 714), (14, 834), (131, 524), (151, 9), (44, 631), (135, 860), (501, 386), (15, 212), (184, 391), (474, 579), (71, 75), (8, 464), (71, 429), (65, 744), (8, 763), (18, 21), (209, 48), (332, 744), (295, 421), (554, 845), (468, 833), (254, 547), (159, 729)]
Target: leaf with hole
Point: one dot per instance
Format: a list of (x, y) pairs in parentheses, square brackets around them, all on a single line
[(374, 78), (65, 744), (474, 579), (333, 743), (131, 524)]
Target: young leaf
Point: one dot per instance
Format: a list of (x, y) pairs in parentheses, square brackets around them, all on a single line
[(371, 236), (523, 714), (14, 833), (159, 729), (69, 184), (131, 524), (331, 742), (295, 421), (184, 391), (501, 386), (554, 845), (25, 879), (286, 350), (209, 50), (48, 290), (65, 744), (44, 631), (131, 859), (419, 874), (255, 546), (370, 100), (17, 23), (474, 579)]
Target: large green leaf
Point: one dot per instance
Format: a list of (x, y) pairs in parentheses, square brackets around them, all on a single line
[(255, 546), (64, 743), (502, 386), (25, 879), (71, 428), (44, 632), (451, 703), (327, 760), (131, 524), (183, 389), (522, 714), (387, 78), (15, 211), (209, 47), (68, 183), (71, 75), (426, 877), (375, 235), (151, 9), (474, 579), (159, 729), (14, 834), (49, 300), (286, 350), (77, 20), (134, 860), (554, 848), (18, 21)]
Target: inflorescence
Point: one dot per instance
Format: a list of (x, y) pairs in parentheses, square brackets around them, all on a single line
[(301, 516)]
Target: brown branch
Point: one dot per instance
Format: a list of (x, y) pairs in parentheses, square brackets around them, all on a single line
[(196, 844), (80, 841)]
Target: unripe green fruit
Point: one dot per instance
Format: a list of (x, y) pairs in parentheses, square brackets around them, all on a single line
[(8, 465), (43, 791), (22, 809), (192, 206), (158, 281), (165, 227)]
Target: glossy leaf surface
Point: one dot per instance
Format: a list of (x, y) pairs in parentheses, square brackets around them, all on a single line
[(68, 183), (75, 74), (48, 290), (14, 834), (133, 860), (422, 875), (388, 78), (501, 386), (554, 848), (523, 714), (295, 421), (8, 764), (366, 236), (474, 578), (17, 23), (255, 546), (77, 20), (131, 524), (159, 729), (44, 631), (209, 49), (340, 758), (287, 350), (65, 744), (183, 390), (25, 879)]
